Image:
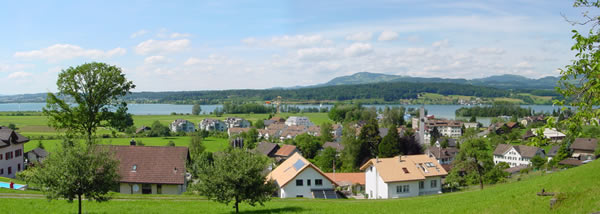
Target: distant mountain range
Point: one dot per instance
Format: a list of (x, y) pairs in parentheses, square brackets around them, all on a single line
[(505, 81)]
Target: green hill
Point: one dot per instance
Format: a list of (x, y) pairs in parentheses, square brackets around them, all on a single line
[(579, 189)]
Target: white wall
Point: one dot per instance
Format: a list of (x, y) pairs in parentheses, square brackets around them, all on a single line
[(169, 189), (374, 185), (14, 162), (413, 189), (427, 190), (513, 158), (290, 190)]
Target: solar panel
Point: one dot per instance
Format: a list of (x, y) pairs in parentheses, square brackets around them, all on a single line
[(324, 193), (299, 164)]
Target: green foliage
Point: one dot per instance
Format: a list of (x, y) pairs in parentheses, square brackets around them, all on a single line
[(537, 162), (369, 134), (196, 148), (308, 145), (236, 108), (259, 124), (171, 143), (393, 116), (390, 145), (121, 120), (326, 159), (95, 88), (497, 173), (235, 176), (475, 160), (473, 119), (196, 109), (435, 135), (12, 126), (355, 151), (40, 144), (326, 135), (497, 109), (159, 130), (250, 138), (74, 171)]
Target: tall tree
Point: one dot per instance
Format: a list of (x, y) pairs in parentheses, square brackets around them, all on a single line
[(474, 159), (434, 135), (354, 150), (369, 134), (74, 171), (250, 138), (327, 159), (95, 88), (326, 135), (235, 176), (308, 145), (196, 109), (390, 145)]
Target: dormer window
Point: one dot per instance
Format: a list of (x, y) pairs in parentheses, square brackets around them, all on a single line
[(405, 170), (134, 168)]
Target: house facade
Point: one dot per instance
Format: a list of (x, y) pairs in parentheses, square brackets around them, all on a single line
[(402, 176), (299, 178), (209, 124), (11, 152), (298, 121), (181, 125), (584, 148), (151, 169), (519, 155), (237, 122)]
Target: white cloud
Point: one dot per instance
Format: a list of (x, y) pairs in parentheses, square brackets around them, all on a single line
[(440, 44), (60, 52), (358, 49), (139, 33), (524, 65), (413, 38), (19, 75), (297, 41), (161, 46), (488, 51), (250, 41), (212, 60), (316, 53), (360, 36), (13, 67), (388, 36), (180, 35), (156, 60)]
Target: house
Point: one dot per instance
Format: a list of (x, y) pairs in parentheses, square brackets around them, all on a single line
[(236, 131), (448, 128), (35, 156), (298, 121), (470, 125), (314, 131), (584, 148), (268, 134), (181, 125), (444, 156), (402, 176), (519, 155), (552, 152), (267, 149), (451, 142), (551, 133), (11, 152), (236, 122), (337, 146), (285, 152), (501, 128), (290, 134), (352, 182), (210, 124), (142, 129), (299, 178), (337, 131), (151, 169)]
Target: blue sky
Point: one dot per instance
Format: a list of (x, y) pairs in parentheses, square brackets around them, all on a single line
[(213, 45)]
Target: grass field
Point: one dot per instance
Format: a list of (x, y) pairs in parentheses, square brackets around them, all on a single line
[(578, 189)]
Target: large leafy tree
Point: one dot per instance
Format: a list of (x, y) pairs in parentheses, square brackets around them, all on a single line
[(475, 160), (355, 151), (94, 89), (390, 145), (235, 176), (326, 135), (369, 134), (74, 171), (308, 145), (327, 159)]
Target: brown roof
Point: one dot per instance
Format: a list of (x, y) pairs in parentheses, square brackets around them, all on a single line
[(154, 164), (237, 130), (524, 151), (511, 124), (588, 144), (412, 167), (337, 146), (277, 119), (351, 178), (286, 150), (9, 136), (440, 153), (267, 148), (570, 161), (291, 168)]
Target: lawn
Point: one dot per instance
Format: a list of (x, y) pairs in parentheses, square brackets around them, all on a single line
[(578, 188)]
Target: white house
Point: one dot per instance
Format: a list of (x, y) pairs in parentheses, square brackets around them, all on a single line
[(209, 124), (551, 134), (402, 176), (11, 152), (181, 125), (299, 178), (298, 121), (237, 122), (519, 155)]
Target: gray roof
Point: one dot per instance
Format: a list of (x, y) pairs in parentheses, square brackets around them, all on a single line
[(8, 136), (553, 151), (524, 151), (39, 152), (588, 144), (337, 146), (267, 148), (383, 132), (440, 153)]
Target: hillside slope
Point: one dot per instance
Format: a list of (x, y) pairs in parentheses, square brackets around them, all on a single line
[(580, 187)]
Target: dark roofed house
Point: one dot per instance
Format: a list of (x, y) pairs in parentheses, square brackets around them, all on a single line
[(337, 146), (584, 148), (151, 169), (142, 129), (285, 152), (11, 152), (552, 152), (266, 148), (35, 155), (444, 156)]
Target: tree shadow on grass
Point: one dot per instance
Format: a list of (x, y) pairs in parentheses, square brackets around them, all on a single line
[(275, 210)]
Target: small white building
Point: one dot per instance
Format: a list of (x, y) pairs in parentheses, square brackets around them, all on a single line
[(209, 124), (11, 152), (551, 134), (298, 121), (181, 125), (402, 176), (299, 178), (237, 122), (519, 155)]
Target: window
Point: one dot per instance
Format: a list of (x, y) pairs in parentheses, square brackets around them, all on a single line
[(18, 167), (18, 152), (405, 170), (402, 188), (299, 196), (9, 170), (8, 155), (146, 188), (159, 189), (421, 184), (307, 182), (0, 156), (1, 171), (299, 182), (134, 168), (318, 182), (433, 183)]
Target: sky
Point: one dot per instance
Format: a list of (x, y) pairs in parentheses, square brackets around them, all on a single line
[(215, 45)]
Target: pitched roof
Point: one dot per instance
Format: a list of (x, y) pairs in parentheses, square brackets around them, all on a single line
[(524, 151), (154, 164), (589, 144), (9, 136), (553, 151), (440, 153), (501, 149), (406, 168), (350, 178), (337, 146), (266, 148), (39, 152), (285, 150), (570, 161), (291, 168), (180, 121)]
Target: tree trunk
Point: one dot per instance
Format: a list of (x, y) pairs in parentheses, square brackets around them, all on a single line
[(79, 198), (237, 206)]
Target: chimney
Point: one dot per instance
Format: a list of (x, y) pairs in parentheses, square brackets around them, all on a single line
[(376, 159), (400, 158), (132, 142)]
